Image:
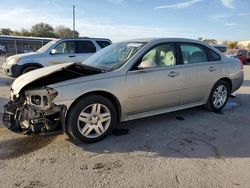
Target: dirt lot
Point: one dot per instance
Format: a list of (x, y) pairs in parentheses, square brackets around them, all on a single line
[(189, 148)]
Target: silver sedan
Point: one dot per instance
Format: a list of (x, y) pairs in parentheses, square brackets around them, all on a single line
[(125, 81)]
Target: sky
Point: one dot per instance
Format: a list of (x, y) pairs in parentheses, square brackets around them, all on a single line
[(128, 19)]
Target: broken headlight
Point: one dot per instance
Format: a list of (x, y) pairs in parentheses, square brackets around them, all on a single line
[(41, 98)]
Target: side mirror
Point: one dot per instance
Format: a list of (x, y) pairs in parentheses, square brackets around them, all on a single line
[(147, 65), (53, 51)]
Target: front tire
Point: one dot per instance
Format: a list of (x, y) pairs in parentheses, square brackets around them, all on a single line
[(91, 119), (28, 69), (218, 97)]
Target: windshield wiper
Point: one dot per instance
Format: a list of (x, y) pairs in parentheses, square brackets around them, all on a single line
[(99, 68), (104, 68)]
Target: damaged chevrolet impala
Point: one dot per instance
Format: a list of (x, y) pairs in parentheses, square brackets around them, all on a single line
[(125, 81)]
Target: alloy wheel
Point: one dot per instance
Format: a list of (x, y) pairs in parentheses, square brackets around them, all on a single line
[(94, 120), (220, 96)]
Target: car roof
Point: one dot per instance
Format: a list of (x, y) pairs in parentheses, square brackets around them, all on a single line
[(86, 38), (165, 39)]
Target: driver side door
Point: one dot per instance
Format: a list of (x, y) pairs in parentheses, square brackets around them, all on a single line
[(155, 87)]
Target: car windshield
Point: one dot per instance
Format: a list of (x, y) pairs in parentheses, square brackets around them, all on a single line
[(46, 46), (114, 56)]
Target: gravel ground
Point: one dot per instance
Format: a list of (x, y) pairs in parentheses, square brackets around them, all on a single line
[(188, 148)]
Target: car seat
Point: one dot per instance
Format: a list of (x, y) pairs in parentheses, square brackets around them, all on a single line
[(197, 57)]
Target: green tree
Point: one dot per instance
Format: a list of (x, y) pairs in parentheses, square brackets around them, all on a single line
[(16, 33), (42, 30), (65, 32), (5, 31), (232, 45), (210, 41), (25, 32)]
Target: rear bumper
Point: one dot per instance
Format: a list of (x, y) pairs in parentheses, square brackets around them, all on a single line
[(237, 81), (12, 70)]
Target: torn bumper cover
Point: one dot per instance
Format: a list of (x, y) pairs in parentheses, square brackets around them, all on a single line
[(34, 112)]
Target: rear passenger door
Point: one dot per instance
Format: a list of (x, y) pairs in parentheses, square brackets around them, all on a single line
[(84, 49), (200, 70)]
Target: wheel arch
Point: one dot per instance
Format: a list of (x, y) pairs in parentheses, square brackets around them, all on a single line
[(34, 64), (228, 81), (105, 94)]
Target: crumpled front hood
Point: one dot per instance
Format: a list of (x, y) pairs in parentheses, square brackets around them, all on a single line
[(34, 75)]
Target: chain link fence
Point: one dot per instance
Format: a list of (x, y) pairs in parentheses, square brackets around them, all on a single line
[(2, 60)]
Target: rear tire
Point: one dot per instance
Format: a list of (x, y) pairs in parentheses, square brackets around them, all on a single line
[(91, 119), (218, 96)]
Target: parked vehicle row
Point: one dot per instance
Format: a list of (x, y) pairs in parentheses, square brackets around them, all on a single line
[(55, 52), (248, 56), (124, 81), (241, 54), (221, 47)]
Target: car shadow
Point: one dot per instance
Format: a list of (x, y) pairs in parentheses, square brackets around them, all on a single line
[(191, 133), (16, 147), (13, 145)]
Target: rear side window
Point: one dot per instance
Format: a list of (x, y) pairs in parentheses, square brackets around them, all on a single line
[(102, 43), (85, 47), (193, 53), (213, 56)]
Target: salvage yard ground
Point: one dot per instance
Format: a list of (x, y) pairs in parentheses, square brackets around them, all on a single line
[(191, 148)]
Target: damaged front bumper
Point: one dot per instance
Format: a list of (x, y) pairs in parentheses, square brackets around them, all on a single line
[(35, 113)]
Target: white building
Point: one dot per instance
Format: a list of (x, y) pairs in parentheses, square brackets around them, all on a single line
[(243, 44)]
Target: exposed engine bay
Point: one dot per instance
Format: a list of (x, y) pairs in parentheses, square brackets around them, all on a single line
[(32, 110)]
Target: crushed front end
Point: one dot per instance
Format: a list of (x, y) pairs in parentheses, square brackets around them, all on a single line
[(33, 111)]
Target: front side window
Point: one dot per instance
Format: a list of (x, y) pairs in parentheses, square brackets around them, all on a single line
[(67, 47), (162, 56), (85, 47), (192, 53), (46, 46)]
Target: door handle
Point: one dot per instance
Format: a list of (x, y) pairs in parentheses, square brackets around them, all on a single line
[(71, 55), (211, 69), (173, 74)]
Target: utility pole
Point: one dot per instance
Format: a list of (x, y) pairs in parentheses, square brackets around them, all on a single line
[(74, 19)]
